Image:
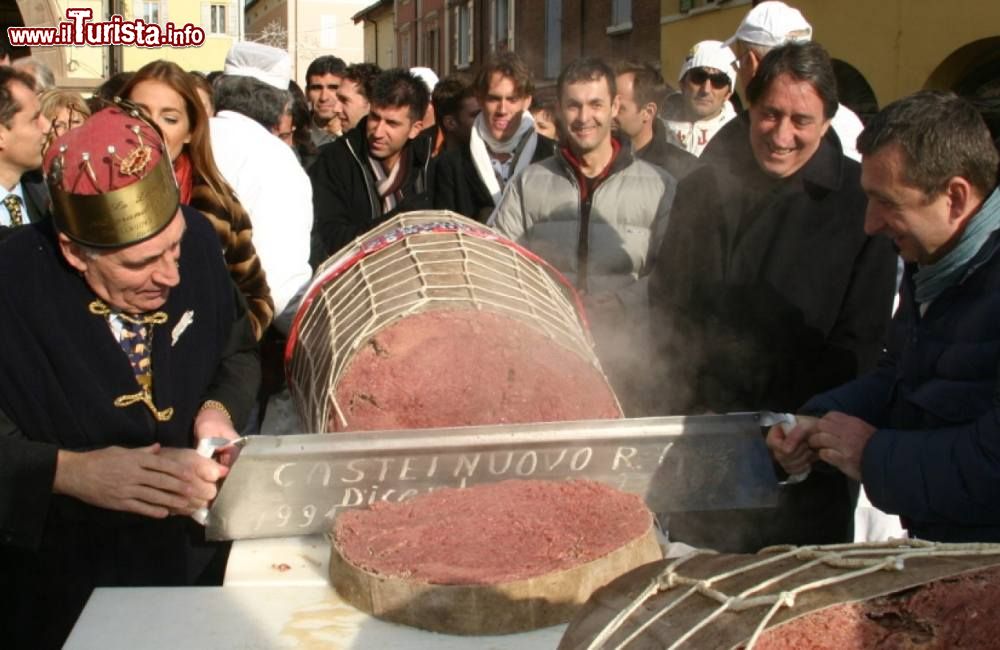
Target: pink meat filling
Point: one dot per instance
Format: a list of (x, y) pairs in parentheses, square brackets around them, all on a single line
[(491, 533), (463, 368), (952, 613)]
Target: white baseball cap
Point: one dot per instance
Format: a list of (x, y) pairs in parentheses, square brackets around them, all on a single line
[(772, 24), (710, 54), (262, 62)]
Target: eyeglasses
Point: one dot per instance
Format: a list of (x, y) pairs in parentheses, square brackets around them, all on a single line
[(698, 76), (58, 127)]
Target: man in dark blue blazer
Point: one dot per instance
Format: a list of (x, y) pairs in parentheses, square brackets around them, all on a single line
[(922, 431)]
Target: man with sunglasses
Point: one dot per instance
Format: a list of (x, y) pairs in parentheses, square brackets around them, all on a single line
[(707, 79)]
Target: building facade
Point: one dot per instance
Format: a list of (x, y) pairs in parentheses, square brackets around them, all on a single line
[(379, 23), (458, 35), (307, 29), (85, 66), (421, 34), (882, 50)]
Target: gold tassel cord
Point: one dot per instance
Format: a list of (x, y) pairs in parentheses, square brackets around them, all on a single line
[(145, 398), (99, 308)]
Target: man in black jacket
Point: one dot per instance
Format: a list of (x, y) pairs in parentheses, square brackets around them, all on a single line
[(641, 93), (767, 289), (376, 170), (354, 93), (455, 109), (502, 142)]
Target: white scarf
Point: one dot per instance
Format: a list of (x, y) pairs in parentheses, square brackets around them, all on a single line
[(481, 138)]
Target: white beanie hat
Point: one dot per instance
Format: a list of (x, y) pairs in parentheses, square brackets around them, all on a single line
[(710, 54)]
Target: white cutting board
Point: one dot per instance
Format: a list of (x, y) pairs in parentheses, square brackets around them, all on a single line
[(280, 561), (276, 595), (252, 618)]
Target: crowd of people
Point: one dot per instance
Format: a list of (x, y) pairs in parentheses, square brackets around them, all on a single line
[(728, 258)]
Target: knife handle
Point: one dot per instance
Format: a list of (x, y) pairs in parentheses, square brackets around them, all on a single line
[(207, 448), (787, 425)]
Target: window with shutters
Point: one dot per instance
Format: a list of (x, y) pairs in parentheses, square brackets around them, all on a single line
[(218, 19), (328, 31), (698, 6), (431, 45), (404, 49), (553, 38), (463, 34), (151, 11), (502, 32), (621, 12)]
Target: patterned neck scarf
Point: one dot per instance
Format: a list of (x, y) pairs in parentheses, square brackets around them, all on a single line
[(136, 341), (931, 280)]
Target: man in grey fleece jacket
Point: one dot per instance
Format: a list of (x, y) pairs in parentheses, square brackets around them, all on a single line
[(595, 212)]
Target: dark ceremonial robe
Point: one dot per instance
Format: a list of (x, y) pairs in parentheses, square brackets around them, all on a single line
[(60, 372)]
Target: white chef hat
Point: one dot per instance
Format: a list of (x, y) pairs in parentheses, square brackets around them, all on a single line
[(262, 62), (428, 76)]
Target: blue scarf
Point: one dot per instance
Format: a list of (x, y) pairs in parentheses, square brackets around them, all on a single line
[(933, 279)]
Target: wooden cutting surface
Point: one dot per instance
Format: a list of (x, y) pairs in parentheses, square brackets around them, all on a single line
[(512, 606)]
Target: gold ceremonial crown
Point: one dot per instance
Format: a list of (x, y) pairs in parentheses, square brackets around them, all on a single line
[(112, 217)]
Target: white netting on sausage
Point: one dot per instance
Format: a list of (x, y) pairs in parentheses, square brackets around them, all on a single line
[(417, 262), (856, 560)]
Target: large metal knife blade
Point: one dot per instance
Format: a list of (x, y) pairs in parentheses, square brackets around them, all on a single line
[(295, 485)]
